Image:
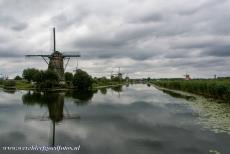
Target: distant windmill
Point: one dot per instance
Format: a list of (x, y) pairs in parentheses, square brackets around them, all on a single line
[(187, 77), (56, 59), (119, 74)]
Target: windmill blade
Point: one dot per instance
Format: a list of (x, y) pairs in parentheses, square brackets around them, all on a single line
[(43, 57), (71, 52), (68, 58), (71, 55), (37, 55), (54, 39)]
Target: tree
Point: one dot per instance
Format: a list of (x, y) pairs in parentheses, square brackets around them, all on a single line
[(148, 79), (82, 80), (68, 77), (17, 78), (39, 76), (29, 74), (49, 79), (46, 79), (50, 75)]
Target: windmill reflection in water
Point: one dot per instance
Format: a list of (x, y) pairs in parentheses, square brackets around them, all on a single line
[(56, 107)]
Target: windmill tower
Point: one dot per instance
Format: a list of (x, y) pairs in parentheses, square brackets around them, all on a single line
[(56, 59)]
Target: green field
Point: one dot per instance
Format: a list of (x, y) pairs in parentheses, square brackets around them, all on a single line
[(213, 88), (18, 84), (23, 84)]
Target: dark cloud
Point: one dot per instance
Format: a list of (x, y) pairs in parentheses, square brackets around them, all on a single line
[(150, 35), (149, 18), (13, 23), (217, 51), (19, 27), (117, 53), (201, 7), (206, 48)]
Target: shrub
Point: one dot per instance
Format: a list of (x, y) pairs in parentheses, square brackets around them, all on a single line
[(82, 80)]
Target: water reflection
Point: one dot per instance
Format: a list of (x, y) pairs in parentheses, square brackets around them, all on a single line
[(10, 91), (117, 88), (81, 97), (143, 120), (55, 104), (178, 95), (103, 91)]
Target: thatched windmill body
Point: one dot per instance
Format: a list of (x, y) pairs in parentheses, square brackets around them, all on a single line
[(56, 59)]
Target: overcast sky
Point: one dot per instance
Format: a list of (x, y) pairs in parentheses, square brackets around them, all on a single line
[(156, 38)]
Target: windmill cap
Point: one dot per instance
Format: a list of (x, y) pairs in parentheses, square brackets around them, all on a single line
[(57, 53)]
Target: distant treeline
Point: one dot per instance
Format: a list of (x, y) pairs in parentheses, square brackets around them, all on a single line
[(212, 88)]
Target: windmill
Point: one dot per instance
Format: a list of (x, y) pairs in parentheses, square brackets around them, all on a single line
[(187, 76), (56, 59), (118, 75)]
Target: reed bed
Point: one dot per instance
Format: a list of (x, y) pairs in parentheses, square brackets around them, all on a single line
[(217, 89)]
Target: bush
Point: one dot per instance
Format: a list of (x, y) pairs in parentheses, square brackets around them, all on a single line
[(17, 78), (82, 80)]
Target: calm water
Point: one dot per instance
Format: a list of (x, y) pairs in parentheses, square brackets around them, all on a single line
[(133, 119)]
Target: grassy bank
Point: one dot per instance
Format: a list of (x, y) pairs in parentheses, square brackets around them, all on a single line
[(16, 84), (25, 85), (22, 84), (217, 89)]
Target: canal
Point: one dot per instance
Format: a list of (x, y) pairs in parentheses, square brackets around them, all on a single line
[(132, 119)]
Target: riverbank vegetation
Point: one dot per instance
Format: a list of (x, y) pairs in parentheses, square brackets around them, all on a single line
[(210, 88), (103, 81), (49, 79), (45, 80)]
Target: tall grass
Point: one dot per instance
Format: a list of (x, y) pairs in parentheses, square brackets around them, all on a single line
[(217, 89)]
